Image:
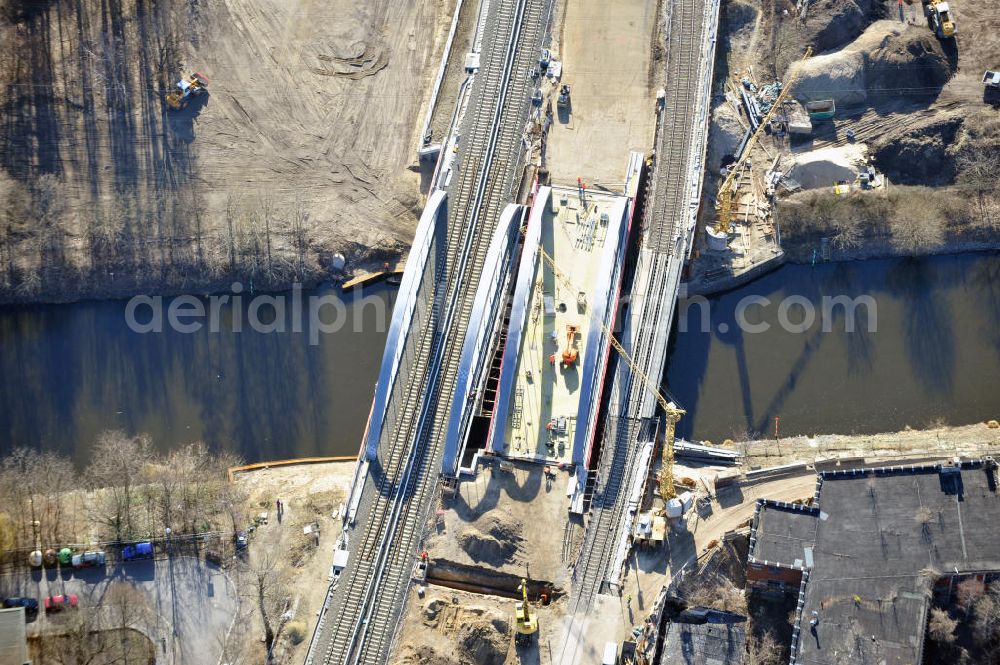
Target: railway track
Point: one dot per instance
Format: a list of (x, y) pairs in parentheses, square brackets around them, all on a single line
[(630, 407), (363, 612)]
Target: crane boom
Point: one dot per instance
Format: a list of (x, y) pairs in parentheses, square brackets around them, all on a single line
[(673, 414), (725, 195)]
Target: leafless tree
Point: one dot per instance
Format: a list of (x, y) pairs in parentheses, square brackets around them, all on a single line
[(967, 592), (763, 649), (263, 585), (127, 609), (941, 627), (37, 490), (117, 470)]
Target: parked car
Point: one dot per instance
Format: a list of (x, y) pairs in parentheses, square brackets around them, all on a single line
[(65, 556), (60, 602), (241, 540), (137, 551), (88, 560), (30, 605)]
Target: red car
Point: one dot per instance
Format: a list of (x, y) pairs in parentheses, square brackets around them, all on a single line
[(58, 603)]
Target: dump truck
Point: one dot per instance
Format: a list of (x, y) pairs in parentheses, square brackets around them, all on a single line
[(191, 86), (939, 15)]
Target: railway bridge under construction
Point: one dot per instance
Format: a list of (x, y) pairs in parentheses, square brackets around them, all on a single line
[(475, 286)]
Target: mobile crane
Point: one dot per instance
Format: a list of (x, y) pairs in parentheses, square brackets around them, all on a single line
[(724, 199), (672, 413)]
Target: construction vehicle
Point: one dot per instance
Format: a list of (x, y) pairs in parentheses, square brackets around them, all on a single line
[(563, 99), (570, 353), (724, 199), (939, 15), (525, 623), (671, 412), (192, 85)]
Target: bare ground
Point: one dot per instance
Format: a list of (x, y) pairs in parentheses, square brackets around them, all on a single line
[(915, 101), (310, 493), (305, 145)]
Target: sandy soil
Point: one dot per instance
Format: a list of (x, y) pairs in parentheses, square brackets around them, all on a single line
[(310, 493), (509, 521), (305, 145), (607, 54)]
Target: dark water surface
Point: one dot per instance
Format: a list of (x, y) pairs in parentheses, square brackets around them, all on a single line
[(68, 372), (934, 356)]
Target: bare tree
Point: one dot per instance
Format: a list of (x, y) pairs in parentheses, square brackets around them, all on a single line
[(941, 627), (262, 584), (127, 610), (968, 592), (763, 649), (117, 471)]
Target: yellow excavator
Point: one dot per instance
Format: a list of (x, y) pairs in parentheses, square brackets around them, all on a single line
[(671, 412), (525, 623), (190, 86), (939, 15), (724, 199)]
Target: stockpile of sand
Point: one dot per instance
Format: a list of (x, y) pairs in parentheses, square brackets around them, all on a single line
[(822, 168), (889, 61), (724, 134), (836, 22), (492, 541)]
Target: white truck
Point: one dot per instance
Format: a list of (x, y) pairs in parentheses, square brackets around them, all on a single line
[(991, 79)]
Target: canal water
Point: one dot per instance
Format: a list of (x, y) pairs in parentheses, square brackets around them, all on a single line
[(927, 353), (68, 372)]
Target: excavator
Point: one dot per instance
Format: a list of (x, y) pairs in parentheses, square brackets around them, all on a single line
[(671, 412), (939, 15), (525, 623), (190, 86)]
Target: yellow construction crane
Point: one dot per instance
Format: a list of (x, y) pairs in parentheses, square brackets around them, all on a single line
[(672, 413), (525, 623), (726, 190)]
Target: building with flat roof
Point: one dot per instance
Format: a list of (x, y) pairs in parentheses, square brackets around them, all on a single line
[(704, 644), (866, 558), (13, 637)]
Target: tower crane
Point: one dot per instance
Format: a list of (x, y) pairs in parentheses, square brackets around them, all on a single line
[(672, 413), (724, 199)]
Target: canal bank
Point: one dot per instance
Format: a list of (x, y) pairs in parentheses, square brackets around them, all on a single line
[(926, 353), (72, 371)]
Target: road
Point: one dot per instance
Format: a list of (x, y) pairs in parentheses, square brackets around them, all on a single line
[(192, 603)]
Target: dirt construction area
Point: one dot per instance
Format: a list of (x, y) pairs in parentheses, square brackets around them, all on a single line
[(304, 146), (310, 494), (608, 52), (510, 522)]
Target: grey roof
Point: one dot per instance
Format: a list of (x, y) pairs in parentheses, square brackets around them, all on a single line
[(784, 534), (704, 644), (13, 642), (882, 535)]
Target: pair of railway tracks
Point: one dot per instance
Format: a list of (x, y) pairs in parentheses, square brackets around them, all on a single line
[(630, 407), (360, 619)]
